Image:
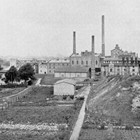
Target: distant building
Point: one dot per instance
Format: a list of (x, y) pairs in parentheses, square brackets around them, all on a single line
[(73, 72), (120, 63), (50, 66), (84, 59), (56, 63), (65, 87), (116, 52)]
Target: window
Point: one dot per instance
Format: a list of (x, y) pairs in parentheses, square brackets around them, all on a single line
[(96, 62), (77, 62), (82, 62), (72, 62), (110, 70), (133, 70), (86, 62), (50, 66)]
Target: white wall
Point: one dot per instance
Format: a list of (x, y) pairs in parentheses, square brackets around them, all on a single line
[(70, 75), (64, 89), (43, 69)]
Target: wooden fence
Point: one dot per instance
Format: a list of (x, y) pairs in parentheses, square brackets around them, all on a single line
[(9, 100)]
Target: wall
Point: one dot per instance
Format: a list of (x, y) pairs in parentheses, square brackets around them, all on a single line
[(71, 75), (64, 89)]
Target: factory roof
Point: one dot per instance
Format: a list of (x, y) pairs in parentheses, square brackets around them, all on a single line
[(68, 81), (65, 60), (112, 59), (72, 69)]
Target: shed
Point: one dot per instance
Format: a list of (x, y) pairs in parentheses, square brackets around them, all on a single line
[(65, 87), (72, 72)]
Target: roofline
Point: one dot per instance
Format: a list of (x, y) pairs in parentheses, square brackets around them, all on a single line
[(64, 82)]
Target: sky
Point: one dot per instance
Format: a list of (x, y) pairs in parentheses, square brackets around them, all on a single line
[(45, 27)]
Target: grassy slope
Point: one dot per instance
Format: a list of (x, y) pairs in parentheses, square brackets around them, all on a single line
[(49, 80), (114, 107), (10, 91)]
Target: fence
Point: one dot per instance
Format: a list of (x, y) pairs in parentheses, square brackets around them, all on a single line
[(9, 100)]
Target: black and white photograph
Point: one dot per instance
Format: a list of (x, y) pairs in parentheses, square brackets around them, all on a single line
[(69, 70)]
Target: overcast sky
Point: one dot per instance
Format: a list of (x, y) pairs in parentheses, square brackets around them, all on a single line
[(45, 27)]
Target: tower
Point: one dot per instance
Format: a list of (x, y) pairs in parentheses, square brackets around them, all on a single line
[(103, 36), (92, 58), (74, 42)]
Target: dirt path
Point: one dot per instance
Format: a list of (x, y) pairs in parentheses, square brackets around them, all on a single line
[(79, 123), (38, 82)]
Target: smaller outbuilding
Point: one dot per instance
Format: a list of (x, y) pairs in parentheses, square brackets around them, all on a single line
[(65, 87)]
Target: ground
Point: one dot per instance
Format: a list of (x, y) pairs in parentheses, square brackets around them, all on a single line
[(10, 91), (35, 110), (110, 102), (49, 79)]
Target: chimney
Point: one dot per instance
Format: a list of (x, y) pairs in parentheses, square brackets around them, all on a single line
[(93, 59), (103, 36), (74, 42)]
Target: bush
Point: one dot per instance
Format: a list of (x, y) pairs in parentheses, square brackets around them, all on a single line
[(13, 85), (85, 126), (129, 127), (102, 126), (64, 97)]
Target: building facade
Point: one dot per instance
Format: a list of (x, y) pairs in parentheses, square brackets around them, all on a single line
[(85, 60), (65, 87), (50, 66), (120, 63), (72, 72)]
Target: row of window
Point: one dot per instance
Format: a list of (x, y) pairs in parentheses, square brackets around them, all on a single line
[(119, 70), (54, 65), (82, 62), (112, 61)]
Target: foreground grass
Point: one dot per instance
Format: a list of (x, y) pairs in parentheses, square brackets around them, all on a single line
[(95, 134), (10, 91), (114, 107), (33, 109)]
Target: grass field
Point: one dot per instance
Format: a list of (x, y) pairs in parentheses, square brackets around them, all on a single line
[(33, 110), (10, 91), (95, 134), (113, 107), (37, 97), (49, 80)]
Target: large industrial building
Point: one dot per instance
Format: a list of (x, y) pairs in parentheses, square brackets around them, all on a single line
[(118, 63)]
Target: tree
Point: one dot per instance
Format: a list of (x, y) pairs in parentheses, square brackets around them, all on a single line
[(26, 72), (1, 68), (11, 74)]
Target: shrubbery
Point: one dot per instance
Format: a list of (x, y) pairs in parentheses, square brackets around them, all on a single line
[(129, 127), (9, 85)]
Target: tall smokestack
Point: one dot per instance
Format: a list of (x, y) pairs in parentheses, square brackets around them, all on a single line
[(92, 58), (74, 42), (103, 36)]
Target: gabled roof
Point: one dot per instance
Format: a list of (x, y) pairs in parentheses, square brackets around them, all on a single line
[(68, 81), (112, 59), (72, 69)]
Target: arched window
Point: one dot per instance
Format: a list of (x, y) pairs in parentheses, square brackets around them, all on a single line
[(96, 62), (77, 61), (72, 62)]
